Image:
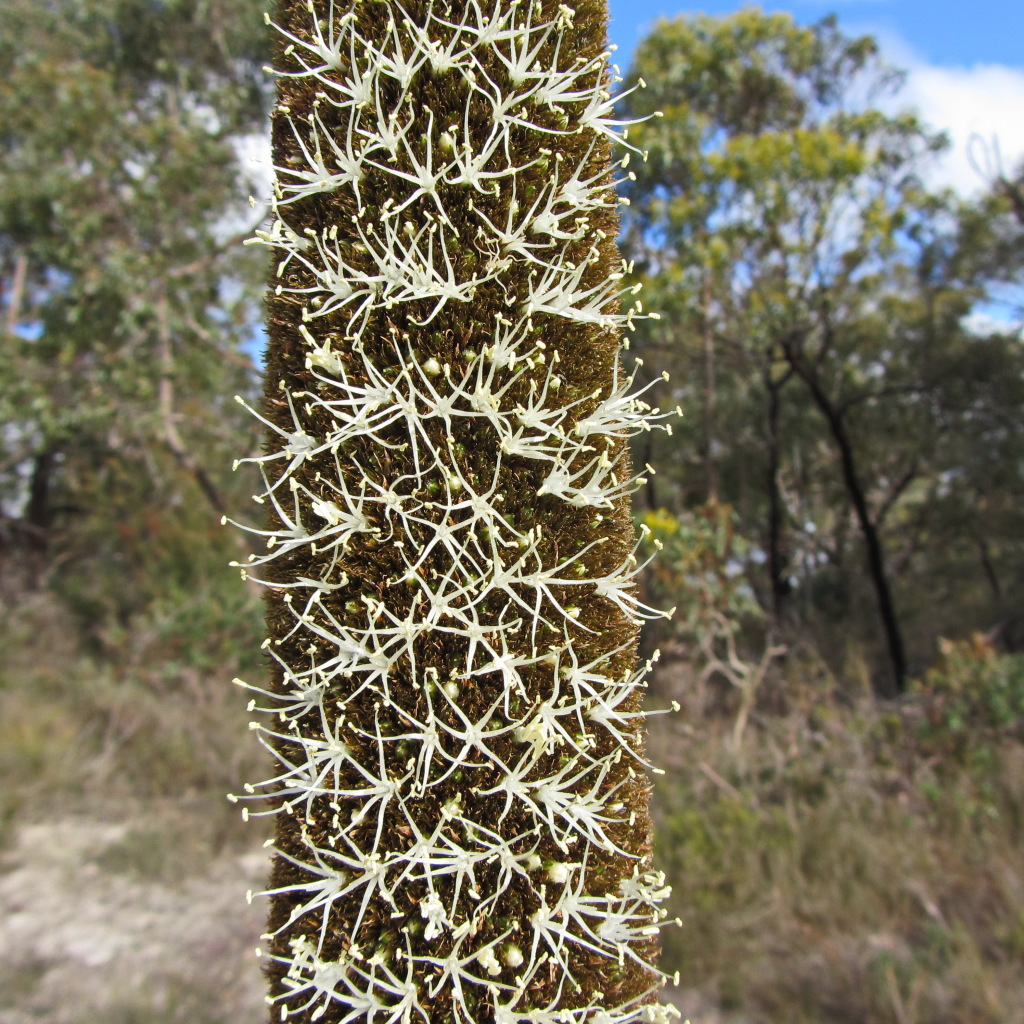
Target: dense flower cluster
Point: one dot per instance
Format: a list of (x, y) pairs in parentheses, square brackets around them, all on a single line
[(454, 722)]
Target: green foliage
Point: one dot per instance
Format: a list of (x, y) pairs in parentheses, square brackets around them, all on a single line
[(974, 691), (813, 296), (700, 562), (127, 301), (965, 717)]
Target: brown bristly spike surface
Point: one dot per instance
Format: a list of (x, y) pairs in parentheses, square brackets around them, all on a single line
[(455, 711)]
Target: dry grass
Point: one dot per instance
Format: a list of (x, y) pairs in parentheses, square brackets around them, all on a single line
[(846, 864), (834, 870), (138, 714)]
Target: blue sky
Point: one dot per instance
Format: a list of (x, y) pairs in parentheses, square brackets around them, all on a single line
[(964, 58), (945, 32)]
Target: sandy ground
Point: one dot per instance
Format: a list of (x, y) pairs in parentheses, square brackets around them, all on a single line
[(98, 923), (83, 943)]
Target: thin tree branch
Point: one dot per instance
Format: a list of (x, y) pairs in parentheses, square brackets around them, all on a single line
[(17, 290), (167, 416)]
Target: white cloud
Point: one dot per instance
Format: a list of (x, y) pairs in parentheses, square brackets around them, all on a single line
[(998, 321), (984, 101), (257, 172), (257, 164)]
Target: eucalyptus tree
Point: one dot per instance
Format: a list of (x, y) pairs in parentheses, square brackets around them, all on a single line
[(125, 301), (455, 712), (782, 222)]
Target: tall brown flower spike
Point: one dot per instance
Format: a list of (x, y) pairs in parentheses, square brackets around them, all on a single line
[(455, 712)]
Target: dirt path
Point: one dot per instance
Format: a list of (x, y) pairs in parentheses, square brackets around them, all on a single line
[(86, 936)]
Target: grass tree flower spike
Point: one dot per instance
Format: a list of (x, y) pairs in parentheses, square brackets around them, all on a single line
[(455, 712)]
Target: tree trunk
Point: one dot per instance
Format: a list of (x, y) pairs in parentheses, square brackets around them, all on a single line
[(39, 512), (778, 571), (708, 346), (167, 414), (872, 540)]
